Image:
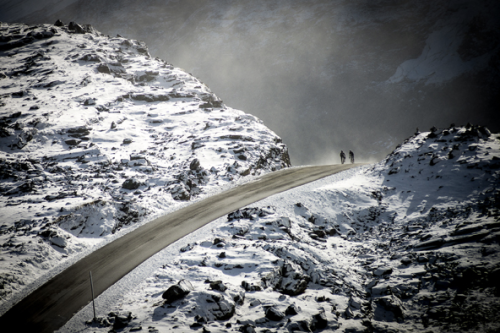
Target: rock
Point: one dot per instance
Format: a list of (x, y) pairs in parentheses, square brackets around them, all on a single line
[(247, 328), (274, 314), (78, 132), (223, 309), (103, 68), (180, 192), (59, 23), (218, 285), (121, 319), (319, 321), (250, 287), (294, 282), (382, 271), (76, 28), (177, 291), (302, 324), (348, 314), (392, 304), (254, 303), (73, 142), (89, 101), (239, 298), (406, 261), (131, 184), (292, 310), (58, 241), (101, 321), (355, 303), (127, 141), (195, 164)]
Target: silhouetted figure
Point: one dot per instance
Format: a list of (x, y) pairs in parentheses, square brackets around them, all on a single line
[(342, 157), (351, 156)]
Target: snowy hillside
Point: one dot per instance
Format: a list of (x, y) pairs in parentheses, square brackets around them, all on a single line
[(410, 244), (96, 136)]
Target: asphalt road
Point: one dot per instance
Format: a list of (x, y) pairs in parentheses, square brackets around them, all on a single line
[(54, 303)]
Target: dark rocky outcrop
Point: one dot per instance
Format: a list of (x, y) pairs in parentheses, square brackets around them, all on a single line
[(177, 291), (274, 314), (131, 184)]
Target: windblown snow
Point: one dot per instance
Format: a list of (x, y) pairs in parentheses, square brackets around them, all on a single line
[(96, 136)]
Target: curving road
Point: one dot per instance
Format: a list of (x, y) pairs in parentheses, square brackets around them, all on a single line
[(54, 303)]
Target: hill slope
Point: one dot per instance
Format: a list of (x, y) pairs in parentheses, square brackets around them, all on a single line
[(408, 244), (96, 135)]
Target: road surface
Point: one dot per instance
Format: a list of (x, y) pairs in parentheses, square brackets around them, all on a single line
[(54, 303)]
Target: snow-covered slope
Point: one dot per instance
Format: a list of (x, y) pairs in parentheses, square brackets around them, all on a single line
[(410, 244), (95, 136)]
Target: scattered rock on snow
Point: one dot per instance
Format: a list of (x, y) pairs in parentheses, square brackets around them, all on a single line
[(177, 291), (274, 314), (131, 184)]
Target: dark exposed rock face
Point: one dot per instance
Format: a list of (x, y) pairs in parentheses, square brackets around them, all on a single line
[(177, 291), (131, 184), (195, 164), (223, 308), (274, 314), (121, 319)]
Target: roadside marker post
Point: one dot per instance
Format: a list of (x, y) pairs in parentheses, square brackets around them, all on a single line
[(92, 288)]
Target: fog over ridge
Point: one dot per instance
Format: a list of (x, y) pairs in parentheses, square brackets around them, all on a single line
[(322, 74)]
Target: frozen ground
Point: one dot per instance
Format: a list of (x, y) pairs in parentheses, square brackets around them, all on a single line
[(409, 244), (97, 137)]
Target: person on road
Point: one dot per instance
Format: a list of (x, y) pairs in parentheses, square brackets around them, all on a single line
[(351, 156), (342, 157)]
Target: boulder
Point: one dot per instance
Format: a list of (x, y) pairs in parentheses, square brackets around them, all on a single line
[(302, 323), (218, 306), (382, 271), (180, 192), (319, 321), (389, 308), (195, 164), (103, 68), (121, 319), (294, 282), (59, 23), (250, 286), (131, 184), (177, 291), (239, 298), (72, 26), (292, 310), (274, 314), (59, 241), (247, 328), (218, 285), (72, 142), (78, 132)]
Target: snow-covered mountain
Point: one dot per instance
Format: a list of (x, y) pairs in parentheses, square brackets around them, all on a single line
[(324, 73), (96, 135), (410, 244)]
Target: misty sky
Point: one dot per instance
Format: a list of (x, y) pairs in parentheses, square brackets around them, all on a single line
[(324, 75)]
